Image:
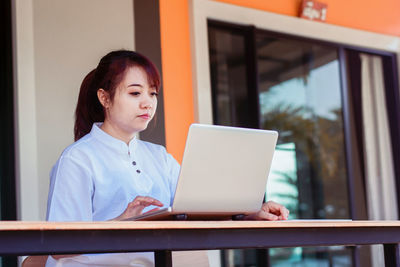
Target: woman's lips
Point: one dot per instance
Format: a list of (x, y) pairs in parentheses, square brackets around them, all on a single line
[(145, 116)]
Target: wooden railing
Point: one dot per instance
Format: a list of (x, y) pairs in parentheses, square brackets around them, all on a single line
[(42, 238)]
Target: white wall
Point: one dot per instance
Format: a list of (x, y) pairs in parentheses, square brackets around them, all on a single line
[(66, 41)]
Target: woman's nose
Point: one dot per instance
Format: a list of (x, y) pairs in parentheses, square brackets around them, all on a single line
[(146, 103)]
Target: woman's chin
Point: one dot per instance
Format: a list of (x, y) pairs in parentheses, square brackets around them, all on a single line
[(140, 128)]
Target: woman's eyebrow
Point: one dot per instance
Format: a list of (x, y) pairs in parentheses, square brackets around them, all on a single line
[(135, 84)]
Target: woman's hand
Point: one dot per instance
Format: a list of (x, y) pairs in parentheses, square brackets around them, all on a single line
[(136, 207), (270, 211)]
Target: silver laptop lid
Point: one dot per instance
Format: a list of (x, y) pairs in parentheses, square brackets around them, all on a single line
[(224, 169)]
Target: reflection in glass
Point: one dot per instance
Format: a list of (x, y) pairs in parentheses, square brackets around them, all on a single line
[(229, 77), (304, 105), (310, 257), (299, 95), (282, 181)]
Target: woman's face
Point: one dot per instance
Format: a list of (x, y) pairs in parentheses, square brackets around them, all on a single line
[(134, 103)]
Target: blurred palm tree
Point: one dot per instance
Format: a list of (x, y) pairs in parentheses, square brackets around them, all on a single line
[(320, 177)]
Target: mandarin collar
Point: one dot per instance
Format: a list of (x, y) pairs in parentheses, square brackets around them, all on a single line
[(110, 141)]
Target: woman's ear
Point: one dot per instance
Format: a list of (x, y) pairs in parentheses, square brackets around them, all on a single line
[(104, 97)]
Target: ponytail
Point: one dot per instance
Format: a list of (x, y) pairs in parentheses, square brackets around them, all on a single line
[(88, 110)]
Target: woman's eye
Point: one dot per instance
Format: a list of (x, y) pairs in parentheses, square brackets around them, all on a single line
[(154, 94), (135, 93)]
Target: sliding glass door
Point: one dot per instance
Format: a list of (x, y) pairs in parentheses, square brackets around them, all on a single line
[(302, 89)]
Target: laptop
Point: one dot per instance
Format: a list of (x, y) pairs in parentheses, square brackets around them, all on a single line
[(223, 174)]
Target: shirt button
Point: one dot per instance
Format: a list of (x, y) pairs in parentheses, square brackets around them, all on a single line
[(133, 163), (138, 171)]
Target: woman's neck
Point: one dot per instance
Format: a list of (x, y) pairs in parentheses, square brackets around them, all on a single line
[(117, 132)]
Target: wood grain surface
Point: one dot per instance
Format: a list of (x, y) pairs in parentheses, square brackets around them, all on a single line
[(112, 225)]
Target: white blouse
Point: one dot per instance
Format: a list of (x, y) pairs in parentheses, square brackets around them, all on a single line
[(96, 177)]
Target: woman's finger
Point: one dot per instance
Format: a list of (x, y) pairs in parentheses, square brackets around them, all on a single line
[(146, 201), (272, 206), (267, 216), (277, 209)]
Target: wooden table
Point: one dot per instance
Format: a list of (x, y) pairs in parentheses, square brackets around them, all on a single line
[(41, 238)]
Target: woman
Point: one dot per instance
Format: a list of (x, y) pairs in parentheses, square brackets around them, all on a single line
[(108, 174)]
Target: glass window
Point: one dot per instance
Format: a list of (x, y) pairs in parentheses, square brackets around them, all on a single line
[(229, 79), (300, 97), (298, 93)]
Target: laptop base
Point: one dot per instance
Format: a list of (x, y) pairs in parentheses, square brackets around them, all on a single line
[(238, 217), (185, 217), (180, 217), (170, 216)]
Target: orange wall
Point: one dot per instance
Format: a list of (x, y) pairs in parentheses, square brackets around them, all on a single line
[(382, 16), (177, 75)]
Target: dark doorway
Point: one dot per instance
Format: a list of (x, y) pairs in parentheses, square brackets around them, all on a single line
[(7, 156)]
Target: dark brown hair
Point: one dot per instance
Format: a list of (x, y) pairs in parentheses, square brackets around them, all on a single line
[(108, 75)]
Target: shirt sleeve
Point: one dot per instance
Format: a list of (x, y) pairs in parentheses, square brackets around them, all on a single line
[(70, 193)]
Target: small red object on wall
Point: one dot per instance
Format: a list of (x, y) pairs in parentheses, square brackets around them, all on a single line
[(313, 10)]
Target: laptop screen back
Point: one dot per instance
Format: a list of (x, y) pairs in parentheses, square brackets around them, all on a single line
[(224, 169)]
